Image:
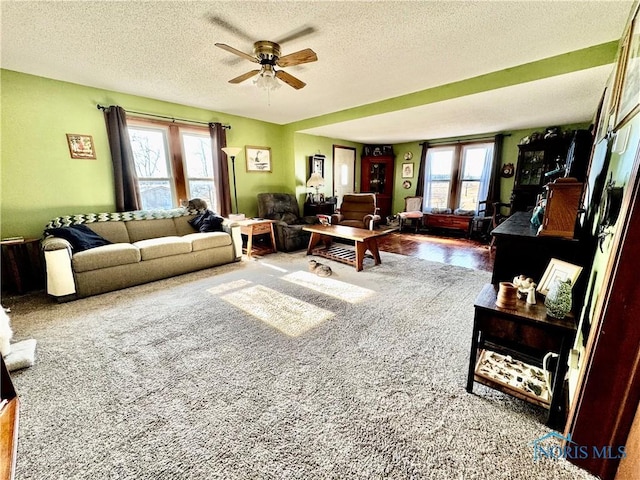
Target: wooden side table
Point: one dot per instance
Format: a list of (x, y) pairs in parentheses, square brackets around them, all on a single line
[(254, 227), (23, 260), (325, 208), (526, 334)]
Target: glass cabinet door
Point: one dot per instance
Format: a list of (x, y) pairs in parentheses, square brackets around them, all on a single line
[(532, 168), (377, 177)]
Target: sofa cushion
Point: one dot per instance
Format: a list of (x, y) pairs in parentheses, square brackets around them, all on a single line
[(148, 229), (80, 237), (162, 247), (114, 231), (183, 227), (106, 256), (205, 240)]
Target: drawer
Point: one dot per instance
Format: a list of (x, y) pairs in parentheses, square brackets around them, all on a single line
[(260, 229)]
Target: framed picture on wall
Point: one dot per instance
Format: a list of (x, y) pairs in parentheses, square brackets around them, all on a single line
[(316, 164), (81, 146), (258, 159), (407, 170), (629, 98)]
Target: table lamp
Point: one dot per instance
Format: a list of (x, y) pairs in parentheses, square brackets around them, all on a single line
[(316, 181)]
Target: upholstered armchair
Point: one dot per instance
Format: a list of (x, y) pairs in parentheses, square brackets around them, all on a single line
[(357, 210), (412, 212), (283, 208)]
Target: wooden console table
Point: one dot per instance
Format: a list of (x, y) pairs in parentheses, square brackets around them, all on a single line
[(448, 221), (526, 334), (519, 250), (364, 240)]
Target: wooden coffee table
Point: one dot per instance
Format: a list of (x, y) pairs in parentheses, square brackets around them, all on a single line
[(364, 240)]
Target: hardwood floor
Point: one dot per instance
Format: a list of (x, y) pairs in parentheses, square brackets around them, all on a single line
[(440, 248)]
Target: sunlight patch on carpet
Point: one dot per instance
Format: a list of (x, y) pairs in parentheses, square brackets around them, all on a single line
[(329, 286), (270, 265), (225, 287), (287, 314)]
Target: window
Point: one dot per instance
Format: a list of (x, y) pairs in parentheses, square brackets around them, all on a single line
[(173, 163), (457, 176)]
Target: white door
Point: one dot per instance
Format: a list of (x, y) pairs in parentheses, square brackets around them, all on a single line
[(344, 171)]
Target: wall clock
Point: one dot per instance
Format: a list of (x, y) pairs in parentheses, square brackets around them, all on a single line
[(507, 170)]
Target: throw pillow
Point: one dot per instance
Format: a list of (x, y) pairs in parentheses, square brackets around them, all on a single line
[(207, 222), (80, 237)]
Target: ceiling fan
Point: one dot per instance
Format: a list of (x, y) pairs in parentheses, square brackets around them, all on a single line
[(267, 54)]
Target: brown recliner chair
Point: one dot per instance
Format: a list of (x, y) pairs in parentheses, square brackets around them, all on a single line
[(283, 208), (357, 210)]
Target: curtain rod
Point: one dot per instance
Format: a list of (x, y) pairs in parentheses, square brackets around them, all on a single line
[(226, 127), (444, 141)]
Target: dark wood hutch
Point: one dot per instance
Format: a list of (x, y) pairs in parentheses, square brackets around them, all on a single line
[(376, 175), (537, 160)]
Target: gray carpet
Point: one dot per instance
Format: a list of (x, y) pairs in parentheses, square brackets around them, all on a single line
[(358, 376)]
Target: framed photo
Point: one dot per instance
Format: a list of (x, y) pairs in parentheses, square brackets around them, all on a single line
[(558, 269), (629, 98), (407, 170), (258, 159), (81, 146), (316, 164)]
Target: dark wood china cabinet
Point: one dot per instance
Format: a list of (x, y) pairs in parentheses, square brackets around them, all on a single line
[(376, 175)]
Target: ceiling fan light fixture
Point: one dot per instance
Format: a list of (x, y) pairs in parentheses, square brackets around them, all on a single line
[(267, 80)]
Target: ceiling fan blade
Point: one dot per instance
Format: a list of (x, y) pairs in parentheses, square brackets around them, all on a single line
[(222, 23), (229, 49), (293, 35), (298, 58), (244, 76), (290, 80)]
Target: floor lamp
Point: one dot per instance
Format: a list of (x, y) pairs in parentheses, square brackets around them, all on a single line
[(231, 152)]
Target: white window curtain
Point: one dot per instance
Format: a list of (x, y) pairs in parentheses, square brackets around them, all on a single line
[(426, 195), (485, 179)]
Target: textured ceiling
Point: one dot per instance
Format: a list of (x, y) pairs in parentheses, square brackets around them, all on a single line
[(368, 51)]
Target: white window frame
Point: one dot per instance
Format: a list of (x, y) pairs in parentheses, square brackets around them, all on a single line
[(456, 178)]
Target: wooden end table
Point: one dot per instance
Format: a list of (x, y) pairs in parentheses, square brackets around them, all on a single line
[(23, 259), (364, 240), (254, 227), (527, 334)]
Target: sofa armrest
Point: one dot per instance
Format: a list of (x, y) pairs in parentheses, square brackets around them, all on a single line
[(336, 218), (370, 220), (233, 228), (50, 244), (59, 270)]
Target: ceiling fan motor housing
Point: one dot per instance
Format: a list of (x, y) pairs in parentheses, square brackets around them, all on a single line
[(267, 52)]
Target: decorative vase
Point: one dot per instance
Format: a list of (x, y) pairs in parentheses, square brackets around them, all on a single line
[(558, 301), (507, 296)]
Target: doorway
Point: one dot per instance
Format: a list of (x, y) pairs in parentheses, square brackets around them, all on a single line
[(344, 171)]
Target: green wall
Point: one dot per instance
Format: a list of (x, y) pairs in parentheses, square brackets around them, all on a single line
[(41, 181), (307, 145)]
